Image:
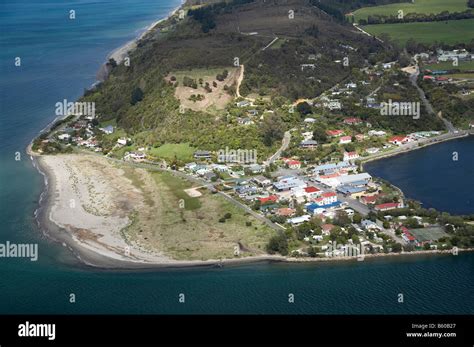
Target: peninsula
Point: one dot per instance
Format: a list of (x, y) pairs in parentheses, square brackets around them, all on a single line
[(236, 131)]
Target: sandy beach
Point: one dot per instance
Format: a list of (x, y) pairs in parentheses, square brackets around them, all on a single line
[(86, 213), (121, 52)]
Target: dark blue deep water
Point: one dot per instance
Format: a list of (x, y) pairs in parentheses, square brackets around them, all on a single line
[(431, 176), (59, 59)]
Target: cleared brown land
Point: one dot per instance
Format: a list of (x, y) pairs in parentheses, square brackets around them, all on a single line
[(215, 100)]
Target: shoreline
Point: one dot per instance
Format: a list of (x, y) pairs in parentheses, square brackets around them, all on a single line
[(88, 257), (121, 52), (400, 151)]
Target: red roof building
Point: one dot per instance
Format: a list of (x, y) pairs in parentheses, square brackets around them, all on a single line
[(269, 199), (311, 189), (352, 121), (334, 132), (398, 140), (285, 212), (388, 206)]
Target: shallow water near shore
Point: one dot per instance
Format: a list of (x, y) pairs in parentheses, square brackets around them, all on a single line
[(57, 63)]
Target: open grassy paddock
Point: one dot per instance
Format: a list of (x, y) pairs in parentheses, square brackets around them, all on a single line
[(418, 6), (182, 151), (449, 32), (196, 231)]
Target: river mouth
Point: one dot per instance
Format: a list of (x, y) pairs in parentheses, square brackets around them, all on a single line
[(438, 176)]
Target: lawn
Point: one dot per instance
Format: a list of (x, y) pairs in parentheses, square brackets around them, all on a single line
[(449, 32), (182, 151), (448, 65), (177, 186), (419, 6)]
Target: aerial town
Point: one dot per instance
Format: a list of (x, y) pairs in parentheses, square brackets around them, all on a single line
[(314, 184)]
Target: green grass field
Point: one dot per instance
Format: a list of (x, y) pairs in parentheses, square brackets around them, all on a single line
[(450, 32), (177, 187), (448, 65), (182, 151), (419, 6)]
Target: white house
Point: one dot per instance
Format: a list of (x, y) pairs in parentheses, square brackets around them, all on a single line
[(299, 220), (345, 139), (350, 156)]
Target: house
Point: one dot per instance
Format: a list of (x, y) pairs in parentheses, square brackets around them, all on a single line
[(333, 167), (372, 150), (287, 183), (109, 129), (457, 54), (370, 199), (352, 191), (316, 207), (377, 133), (355, 180), (312, 192), (262, 181), (293, 164), (326, 199), (220, 167), (137, 156), (326, 228), (252, 112), (389, 206), (209, 175), (268, 207), (64, 136), (268, 199), (369, 225), (308, 135), (243, 103), (285, 212), (255, 168), (408, 237), (202, 155), (351, 85), (309, 120), (308, 144), (334, 133), (299, 220), (398, 140), (345, 139), (352, 121), (360, 137), (350, 156), (245, 121), (122, 141), (389, 65)]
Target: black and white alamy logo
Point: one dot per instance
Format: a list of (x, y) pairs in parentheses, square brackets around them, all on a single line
[(28, 329)]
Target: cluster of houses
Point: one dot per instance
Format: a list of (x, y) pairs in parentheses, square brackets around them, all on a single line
[(79, 133)]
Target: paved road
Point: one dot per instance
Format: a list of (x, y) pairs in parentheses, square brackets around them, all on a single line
[(271, 43), (413, 79), (284, 145), (354, 204), (252, 212)]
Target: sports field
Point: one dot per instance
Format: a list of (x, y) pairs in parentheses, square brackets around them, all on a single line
[(419, 6), (448, 32)]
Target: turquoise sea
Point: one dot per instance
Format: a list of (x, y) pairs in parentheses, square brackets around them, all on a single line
[(59, 59)]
